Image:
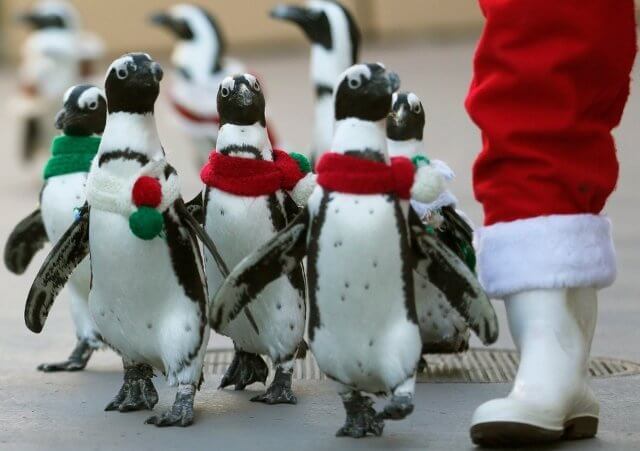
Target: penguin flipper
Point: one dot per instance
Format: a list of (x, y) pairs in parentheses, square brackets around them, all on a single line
[(279, 256), (65, 256), (194, 207), (436, 262), (458, 235), (27, 238)]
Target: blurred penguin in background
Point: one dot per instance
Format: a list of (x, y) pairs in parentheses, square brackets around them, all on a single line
[(335, 43), (58, 53)]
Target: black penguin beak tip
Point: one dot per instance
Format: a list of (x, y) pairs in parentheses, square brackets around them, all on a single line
[(157, 71), (161, 19), (295, 14)]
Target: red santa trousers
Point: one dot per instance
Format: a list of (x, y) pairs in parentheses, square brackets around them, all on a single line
[(551, 78)]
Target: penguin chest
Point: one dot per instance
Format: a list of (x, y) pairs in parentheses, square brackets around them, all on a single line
[(136, 298), (274, 323), (361, 290), (61, 195)]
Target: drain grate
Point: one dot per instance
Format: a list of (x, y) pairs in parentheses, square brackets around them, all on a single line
[(474, 366)]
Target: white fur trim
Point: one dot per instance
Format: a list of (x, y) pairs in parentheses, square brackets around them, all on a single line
[(304, 188), (427, 185), (546, 252)]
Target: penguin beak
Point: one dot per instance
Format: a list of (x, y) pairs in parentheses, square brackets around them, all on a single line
[(305, 18), (60, 119), (399, 117), (177, 26), (156, 71), (33, 20)]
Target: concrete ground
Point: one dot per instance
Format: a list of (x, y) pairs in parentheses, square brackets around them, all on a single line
[(65, 411)]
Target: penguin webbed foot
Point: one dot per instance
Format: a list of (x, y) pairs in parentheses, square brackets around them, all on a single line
[(245, 369), (362, 418), (181, 413), (77, 360), (137, 392), (279, 392), (400, 407)]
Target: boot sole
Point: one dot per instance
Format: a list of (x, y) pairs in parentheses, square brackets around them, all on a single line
[(506, 434)]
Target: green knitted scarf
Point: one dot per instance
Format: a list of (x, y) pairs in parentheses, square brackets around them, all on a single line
[(71, 154)]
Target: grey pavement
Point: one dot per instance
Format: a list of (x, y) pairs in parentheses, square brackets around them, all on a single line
[(65, 411)]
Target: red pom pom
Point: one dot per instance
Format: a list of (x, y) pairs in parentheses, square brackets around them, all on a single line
[(147, 192)]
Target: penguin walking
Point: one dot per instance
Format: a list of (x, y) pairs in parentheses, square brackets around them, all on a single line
[(81, 121), (148, 295), (442, 328), (335, 44), (361, 254), (250, 188), (57, 54), (200, 64)]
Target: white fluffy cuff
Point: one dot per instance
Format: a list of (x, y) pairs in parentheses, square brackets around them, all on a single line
[(559, 251)]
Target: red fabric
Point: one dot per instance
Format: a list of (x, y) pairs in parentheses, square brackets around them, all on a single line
[(353, 175), (551, 79), (249, 177), (146, 192)]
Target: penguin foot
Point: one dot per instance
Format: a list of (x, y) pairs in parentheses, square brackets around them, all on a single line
[(362, 418), (399, 408), (181, 413), (77, 360), (137, 392), (279, 392), (245, 369)]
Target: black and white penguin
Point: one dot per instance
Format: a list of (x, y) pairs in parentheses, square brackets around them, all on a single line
[(81, 121), (199, 65), (148, 295), (442, 328), (361, 254), (335, 43), (245, 210), (56, 55)]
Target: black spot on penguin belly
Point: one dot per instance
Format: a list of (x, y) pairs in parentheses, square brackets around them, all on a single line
[(312, 262)]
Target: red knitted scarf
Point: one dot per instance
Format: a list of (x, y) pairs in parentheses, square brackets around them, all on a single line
[(249, 177), (353, 175)]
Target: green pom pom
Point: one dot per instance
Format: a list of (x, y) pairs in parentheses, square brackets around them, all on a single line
[(420, 160), (146, 223), (303, 162)]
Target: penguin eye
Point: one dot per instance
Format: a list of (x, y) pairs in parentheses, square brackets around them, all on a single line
[(256, 86), (93, 105), (224, 91), (417, 108), (122, 73), (355, 83)]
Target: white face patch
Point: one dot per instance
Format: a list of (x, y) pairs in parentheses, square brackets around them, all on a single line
[(90, 98), (120, 66), (394, 99), (354, 75), (67, 94), (227, 86), (414, 102)]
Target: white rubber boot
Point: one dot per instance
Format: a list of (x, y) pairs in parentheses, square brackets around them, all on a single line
[(551, 399)]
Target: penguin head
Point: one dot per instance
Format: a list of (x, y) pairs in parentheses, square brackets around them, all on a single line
[(241, 101), (84, 111), (132, 84), (364, 92), (192, 24), (406, 119), (325, 23), (51, 14)]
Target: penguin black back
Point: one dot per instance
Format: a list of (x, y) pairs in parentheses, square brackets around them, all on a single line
[(84, 111), (51, 14), (133, 84), (365, 92), (406, 120), (241, 101)]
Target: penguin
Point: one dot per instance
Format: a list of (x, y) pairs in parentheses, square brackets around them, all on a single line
[(244, 213), (362, 243), (81, 121), (147, 295), (335, 44), (199, 65), (58, 53), (442, 329)]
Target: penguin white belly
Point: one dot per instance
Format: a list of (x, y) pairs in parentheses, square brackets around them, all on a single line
[(239, 225), (61, 195), (138, 302), (364, 337)]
